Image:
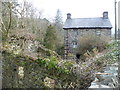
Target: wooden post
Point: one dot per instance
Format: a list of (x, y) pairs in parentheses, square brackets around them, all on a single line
[(119, 20), (119, 44)]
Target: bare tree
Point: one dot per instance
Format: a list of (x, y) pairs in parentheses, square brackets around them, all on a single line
[(7, 17)]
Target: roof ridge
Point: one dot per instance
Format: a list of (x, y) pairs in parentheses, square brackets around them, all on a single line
[(87, 18)]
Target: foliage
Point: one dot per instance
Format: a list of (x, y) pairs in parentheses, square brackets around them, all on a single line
[(51, 65), (50, 38), (26, 20), (60, 50), (115, 50), (58, 17), (92, 43), (34, 70), (112, 54), (41, 72), (59, 32)]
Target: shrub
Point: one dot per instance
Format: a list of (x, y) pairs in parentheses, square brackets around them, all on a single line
[(90, 41), (50, 38), (60, 50)]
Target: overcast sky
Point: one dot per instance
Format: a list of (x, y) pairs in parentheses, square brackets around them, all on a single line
[(78, 8)]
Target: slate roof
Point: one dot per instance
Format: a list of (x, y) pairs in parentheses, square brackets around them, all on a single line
[(98, 22)]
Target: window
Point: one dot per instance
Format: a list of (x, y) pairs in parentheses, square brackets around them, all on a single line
[(98, 32), (76, 31), (74, 44)]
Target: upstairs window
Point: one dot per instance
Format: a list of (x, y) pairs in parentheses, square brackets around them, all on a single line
[(75, 31), (98, 33)]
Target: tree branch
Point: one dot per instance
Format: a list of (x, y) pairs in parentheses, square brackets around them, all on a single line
[(2, 25)]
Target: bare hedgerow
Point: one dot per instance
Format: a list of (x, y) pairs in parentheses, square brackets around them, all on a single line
[(90, 41)]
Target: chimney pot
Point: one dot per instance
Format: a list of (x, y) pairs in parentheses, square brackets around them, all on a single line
[(68, 15), (105, 15)]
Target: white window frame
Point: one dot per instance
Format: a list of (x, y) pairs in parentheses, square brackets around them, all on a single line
[(98, 32), (74, 44)]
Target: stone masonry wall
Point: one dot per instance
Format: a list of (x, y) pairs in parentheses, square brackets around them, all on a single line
[(75, 34)]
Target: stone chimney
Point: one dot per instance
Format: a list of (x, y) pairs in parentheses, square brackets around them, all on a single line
[(68, 15), (105, 15)]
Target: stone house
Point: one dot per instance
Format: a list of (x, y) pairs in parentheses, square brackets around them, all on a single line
[(77, 27)]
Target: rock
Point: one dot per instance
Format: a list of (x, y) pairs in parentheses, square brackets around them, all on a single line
[(49, 82), (101, 87), (106, 81)]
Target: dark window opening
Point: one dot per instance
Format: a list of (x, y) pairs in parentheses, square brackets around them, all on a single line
[(78, 56)]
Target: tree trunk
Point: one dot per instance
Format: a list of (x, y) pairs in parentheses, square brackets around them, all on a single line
[(10, 19)]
